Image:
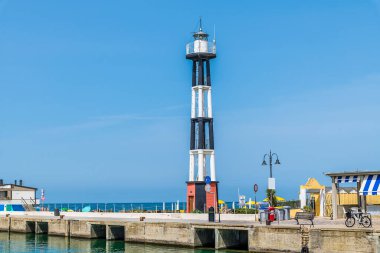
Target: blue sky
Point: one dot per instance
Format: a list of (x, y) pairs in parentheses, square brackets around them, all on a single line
[(95, 95)]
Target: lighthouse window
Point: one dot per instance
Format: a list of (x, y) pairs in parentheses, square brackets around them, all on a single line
[(196, 161), (207, 135), (205, 104), (207, 164), (196, 102), (201, 101), (196, 135)]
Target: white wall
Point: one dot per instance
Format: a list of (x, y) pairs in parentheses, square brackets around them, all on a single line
[(302, 197), (22, 194), (322, 202)]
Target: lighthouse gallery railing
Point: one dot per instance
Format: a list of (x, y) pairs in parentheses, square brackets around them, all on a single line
[(201, 47)]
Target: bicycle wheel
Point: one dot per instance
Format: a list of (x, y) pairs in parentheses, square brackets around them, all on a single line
[(366, 221), (350, 222)]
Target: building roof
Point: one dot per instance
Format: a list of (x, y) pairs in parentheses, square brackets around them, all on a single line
[(16, 187), (353, 173), (312, 184)]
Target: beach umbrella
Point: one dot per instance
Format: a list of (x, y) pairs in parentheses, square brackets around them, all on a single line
[(221, 202), (278, 198), (251, 203), (86, 209)]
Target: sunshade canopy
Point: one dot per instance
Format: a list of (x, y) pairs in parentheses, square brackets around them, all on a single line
[(278, 198), (370, 185), (347, 179)]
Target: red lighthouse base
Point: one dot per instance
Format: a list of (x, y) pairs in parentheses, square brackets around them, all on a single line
[(199, 199)]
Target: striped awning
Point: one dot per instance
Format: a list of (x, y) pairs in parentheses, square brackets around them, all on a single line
[(346, 179), (370, 185)]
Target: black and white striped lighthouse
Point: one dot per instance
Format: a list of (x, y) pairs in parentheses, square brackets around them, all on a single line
[(202, 156)]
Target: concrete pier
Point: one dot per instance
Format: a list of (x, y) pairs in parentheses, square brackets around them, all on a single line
[(231, 239), (115, 232), (42, 227), (81, 229), (229, 235), (160, 233), (204, 237), (59, 227)]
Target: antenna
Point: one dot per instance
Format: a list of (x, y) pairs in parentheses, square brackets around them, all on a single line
[(214, 40), (200, 23)]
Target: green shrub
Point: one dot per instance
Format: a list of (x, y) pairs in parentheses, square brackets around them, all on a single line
[(245, 211), (271, 195), (307, 208)]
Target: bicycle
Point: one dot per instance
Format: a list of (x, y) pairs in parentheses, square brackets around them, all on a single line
[(363, 219)]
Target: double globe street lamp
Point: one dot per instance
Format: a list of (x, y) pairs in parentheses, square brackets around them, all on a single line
[(271, 180), (270, 156)]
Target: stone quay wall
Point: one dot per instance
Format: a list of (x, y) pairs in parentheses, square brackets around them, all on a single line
[(228, 235)]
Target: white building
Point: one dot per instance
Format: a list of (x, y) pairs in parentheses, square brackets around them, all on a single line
[(16, 197)]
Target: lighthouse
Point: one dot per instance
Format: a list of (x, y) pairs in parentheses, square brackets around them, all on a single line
[(202, 156)]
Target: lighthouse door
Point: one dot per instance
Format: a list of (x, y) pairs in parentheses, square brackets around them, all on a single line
[(191, 204)]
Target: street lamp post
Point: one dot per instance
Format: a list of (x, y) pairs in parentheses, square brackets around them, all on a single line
[(277, 162)]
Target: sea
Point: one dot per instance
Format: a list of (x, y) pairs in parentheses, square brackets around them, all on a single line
[(28, 243), (116, 207), (125, 207)]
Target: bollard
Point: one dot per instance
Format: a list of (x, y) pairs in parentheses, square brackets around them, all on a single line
[(211, 214), (56, 212)]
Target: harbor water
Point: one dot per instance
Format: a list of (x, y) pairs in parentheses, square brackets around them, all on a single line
[(27, 243)]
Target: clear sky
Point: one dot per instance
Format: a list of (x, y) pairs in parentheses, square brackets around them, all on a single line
[(95, 95)]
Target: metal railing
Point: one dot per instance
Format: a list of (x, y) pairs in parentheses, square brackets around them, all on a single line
[(34, 201), (200, 46), (168, 207), (26, 205)]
